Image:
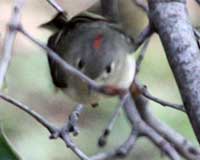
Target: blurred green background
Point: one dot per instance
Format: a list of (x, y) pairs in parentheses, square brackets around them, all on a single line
[(28, 80)]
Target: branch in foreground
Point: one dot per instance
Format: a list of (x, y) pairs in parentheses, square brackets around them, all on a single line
[(73, 120), (182, 145), (143, 36), (55, 5), (9, 40), (140, 58), (121, 151), (103, 138), (26, 109), (144, 129), (62, 133), (141, 89), (71, 126)]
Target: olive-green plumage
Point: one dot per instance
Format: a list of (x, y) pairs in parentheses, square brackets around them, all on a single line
[(96, 47)]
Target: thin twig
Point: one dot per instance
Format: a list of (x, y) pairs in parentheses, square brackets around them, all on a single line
[(128, 145), (73, 119), (103, 138), (120, 152), (162, 102), (143, 36), (9, 40), (55, 5), (145, 93), (71, 126), (26, 109), (141, 55), (63, 133)]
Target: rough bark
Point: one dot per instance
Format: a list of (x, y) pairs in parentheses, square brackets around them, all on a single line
[(171, 21)]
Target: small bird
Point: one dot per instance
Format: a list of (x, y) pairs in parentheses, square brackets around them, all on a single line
[(95, 46)]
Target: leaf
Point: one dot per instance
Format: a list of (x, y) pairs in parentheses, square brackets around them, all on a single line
[(6, 150)]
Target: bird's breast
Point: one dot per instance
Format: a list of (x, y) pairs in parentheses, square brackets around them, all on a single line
[(80, 93)]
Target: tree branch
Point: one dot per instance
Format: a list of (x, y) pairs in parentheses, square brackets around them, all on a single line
[(26, 109), (73, 120), (183, 146), (170, 18), (120, 152), (142, 52), (103, 138), (62, 133), (144, 129), (139, 89), (55, 5), (143, 36), (9, 40)]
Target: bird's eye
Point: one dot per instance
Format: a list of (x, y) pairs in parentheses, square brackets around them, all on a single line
[(108, 69), (80, 64)]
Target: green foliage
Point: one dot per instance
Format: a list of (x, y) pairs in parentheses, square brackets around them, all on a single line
[(6, 150)]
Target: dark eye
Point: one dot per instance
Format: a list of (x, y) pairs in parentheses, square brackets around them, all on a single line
[(80, 64), (108, 69)]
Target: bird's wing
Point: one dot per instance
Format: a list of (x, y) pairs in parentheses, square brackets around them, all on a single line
[(57, 73)]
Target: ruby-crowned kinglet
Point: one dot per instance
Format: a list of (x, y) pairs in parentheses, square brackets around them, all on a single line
[(96, 47)]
